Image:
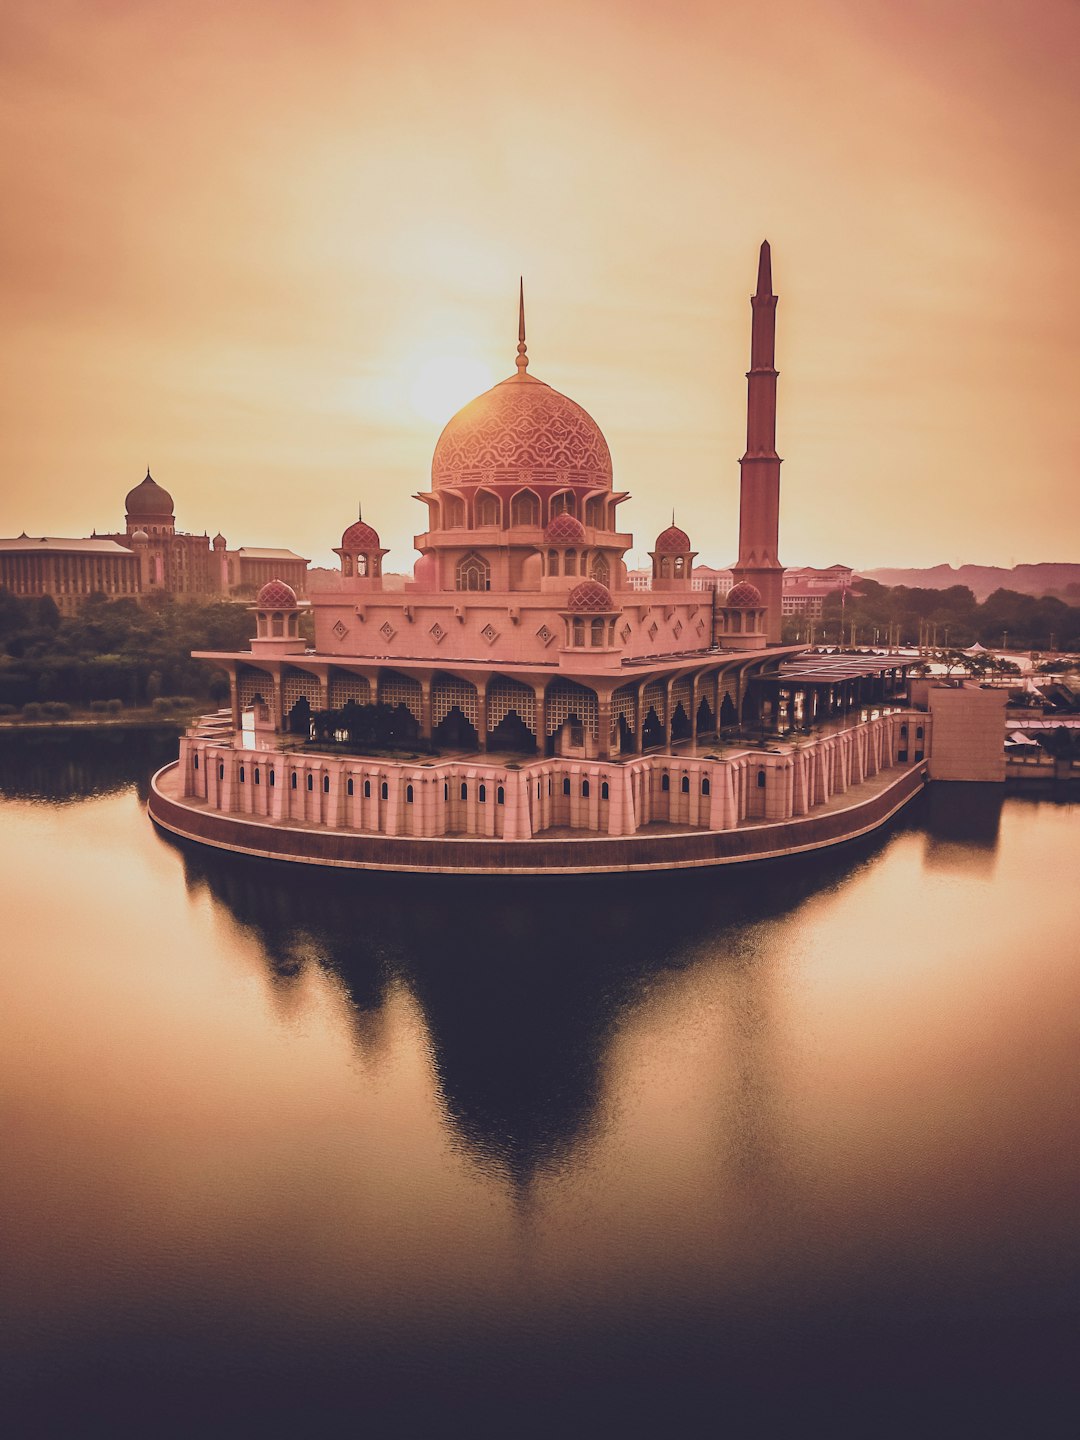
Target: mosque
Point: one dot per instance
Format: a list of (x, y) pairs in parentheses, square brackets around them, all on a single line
[(518, 707)]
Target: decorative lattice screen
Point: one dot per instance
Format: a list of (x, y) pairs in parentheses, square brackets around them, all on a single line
[(294, 686), (564, 699), (397, 690), (255, 682), (344, 688), (506, 695), (446, 692), (655, 699), (624, 703)]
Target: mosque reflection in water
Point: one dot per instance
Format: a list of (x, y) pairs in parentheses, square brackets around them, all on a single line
[(523, 983)]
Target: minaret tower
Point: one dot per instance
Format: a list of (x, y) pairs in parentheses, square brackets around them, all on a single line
[(759, 486)]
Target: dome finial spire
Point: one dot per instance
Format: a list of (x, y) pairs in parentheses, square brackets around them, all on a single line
[(522, 361)]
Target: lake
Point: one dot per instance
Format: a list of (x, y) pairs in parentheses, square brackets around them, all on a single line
[(784, 1149)]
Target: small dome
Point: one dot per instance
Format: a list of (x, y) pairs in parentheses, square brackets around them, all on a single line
[(276, 595), (148, 498), (565, 530), (672, 541), (139, 535), (743, 596), (588, 596), (360, 536), (219, 542)]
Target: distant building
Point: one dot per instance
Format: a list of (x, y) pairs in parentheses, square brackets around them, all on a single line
[(806, 587), (148, 557)]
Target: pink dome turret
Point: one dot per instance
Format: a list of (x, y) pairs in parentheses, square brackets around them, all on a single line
[(590, 597), (743, 596), (672, 541), (361, 553), (276, 595), (564, 529), (360, 536)]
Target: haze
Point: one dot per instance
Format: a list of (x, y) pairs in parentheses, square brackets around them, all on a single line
[(232, 237)]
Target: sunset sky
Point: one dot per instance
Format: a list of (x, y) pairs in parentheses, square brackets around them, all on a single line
[(258, 244)]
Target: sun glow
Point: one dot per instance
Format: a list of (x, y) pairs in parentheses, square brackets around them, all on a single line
[(444, 383)]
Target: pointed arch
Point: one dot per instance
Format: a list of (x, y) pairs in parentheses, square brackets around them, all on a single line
[(473, 572), (525, 508), (487, 509)]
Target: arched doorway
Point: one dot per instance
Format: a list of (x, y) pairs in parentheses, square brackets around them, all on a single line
[(681, 729), (456, 732), (299, 718), (511, 733), (652, 730), (706, 720), (728, 714)]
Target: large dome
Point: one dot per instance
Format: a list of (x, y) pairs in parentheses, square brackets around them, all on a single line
[(148, 498), (523, 432)]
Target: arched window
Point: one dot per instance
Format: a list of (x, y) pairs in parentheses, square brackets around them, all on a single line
[(601, 571), (221, 772), (408, 795), (326, 784), (685, 787), (292, 779), (277, 624), (761, 779), (598, 628), (361, 565), (473, 573), (196, 762), (665, 782), (584, 789), (918, 732), (454, 509), (258, 777), (487, 509), (604, 791), (346, 565), (500, 796), (525, 508), (665, 568), (553, 562), (570, 567), (348, 787), (446, 792), (562, 503), (903, 731), (384, 790), (464, 791), (241, 774), (680, 566), (481, 794), (271, 779), (705, 786), (367, 789), (311, 782), (566, 786), (594, 511)]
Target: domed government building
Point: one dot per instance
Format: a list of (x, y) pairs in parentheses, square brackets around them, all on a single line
[(518, 707), (148, 557)]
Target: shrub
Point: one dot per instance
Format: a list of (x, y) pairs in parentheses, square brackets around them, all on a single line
[(8, 709), (56, 709), (162, 704), (97, 707), (32, 710), (114, 706)]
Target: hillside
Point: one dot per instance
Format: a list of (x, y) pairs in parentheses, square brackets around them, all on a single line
[(1047, 578)]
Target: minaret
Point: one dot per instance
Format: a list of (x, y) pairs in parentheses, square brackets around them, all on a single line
[(759, 486)]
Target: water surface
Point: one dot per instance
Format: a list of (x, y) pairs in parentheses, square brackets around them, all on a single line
[(760, 1151)]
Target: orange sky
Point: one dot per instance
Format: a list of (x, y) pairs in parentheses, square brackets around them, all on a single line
[(230, 234)]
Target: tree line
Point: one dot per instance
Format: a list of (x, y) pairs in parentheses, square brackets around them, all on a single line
[(122, 651), (1007, 619)]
